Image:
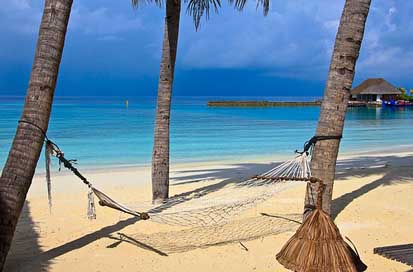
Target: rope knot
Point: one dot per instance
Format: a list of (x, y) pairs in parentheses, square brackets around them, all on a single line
[(308, 146)]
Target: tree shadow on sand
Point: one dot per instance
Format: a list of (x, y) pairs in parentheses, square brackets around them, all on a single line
[(25, 246), (227, 176), (39, 261), (360, 167), (388, 166)]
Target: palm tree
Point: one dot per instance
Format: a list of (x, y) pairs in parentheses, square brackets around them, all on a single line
[(337, 93), (18, 172), (160, 154)]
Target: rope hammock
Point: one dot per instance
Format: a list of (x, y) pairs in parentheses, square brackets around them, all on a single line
[(317, 245), (192, 210)]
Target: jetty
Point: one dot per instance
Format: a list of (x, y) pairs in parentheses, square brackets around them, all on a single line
[(262, 104)]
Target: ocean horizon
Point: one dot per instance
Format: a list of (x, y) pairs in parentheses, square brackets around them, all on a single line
[(101, 132)]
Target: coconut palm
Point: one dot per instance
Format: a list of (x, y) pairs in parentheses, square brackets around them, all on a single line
[(25, 151), (160, 154), (337, 93)]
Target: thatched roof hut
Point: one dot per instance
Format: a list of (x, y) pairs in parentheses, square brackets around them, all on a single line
[(375, 89)]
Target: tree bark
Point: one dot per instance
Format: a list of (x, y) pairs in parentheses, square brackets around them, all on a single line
[(160, 155), (336, 96), (20, 166)]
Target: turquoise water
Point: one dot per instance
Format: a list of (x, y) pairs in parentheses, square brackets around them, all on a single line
[(101, 131)]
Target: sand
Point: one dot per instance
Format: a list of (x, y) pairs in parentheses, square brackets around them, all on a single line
[(373, 196)]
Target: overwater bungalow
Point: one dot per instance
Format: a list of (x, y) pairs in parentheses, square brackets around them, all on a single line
[(374, 90)]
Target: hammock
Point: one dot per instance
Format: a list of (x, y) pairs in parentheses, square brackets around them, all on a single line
[(317, 245), (193, 210)]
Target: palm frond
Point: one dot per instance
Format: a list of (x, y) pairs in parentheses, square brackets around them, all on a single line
[(265, 6), (137, 3), (197, 8), (240, 4)]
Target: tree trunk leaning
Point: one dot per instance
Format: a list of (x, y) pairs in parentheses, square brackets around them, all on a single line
[(336, 96), (160, 155), (19, 169)]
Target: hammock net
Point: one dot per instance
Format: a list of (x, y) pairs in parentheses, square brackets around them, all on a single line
[(207, 217), (234, 231), (212, 208)]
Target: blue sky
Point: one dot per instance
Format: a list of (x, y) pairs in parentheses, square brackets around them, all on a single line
[(112, 49)]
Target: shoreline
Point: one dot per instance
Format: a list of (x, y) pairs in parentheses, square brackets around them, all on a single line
[(262, 159)]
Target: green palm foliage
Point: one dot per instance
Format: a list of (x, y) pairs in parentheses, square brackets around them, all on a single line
[(198, 8)]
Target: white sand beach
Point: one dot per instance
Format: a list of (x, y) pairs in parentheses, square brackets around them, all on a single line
[(373, 197)]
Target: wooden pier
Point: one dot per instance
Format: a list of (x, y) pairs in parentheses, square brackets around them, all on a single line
[(263, 104)]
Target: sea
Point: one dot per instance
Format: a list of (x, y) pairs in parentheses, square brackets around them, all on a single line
[(101, 132)]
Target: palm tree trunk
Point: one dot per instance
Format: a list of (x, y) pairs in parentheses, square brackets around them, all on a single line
[(160, 156), (337, 93), (18, 172)]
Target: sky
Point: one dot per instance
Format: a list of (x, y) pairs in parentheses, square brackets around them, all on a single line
[(113, 49)]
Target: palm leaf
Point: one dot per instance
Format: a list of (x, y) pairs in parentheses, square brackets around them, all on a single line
[(265, 6), (240, 4), (197, 8)]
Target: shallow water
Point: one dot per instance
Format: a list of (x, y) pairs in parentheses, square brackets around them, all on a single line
[(101, 131)]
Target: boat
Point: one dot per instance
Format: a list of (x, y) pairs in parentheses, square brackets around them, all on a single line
[(397, 103)]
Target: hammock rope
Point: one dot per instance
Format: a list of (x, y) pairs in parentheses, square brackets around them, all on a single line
[(206, 214), (201, 214), (104, 200)]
